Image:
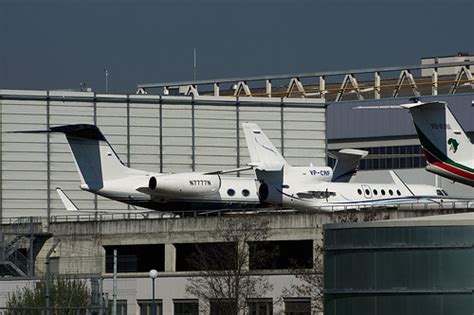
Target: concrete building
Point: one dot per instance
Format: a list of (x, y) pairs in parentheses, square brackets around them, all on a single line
[(85, 250), (409, 266)]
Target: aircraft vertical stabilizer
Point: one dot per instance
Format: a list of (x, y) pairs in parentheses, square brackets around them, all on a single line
[(263, 154), (447, 149)]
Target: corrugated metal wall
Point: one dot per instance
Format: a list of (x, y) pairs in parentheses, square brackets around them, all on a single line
[(156, 133), (399, 270)]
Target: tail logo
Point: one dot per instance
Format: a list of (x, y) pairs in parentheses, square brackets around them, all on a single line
[(453, 145)]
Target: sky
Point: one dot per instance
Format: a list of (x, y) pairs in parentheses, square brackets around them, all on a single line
[(56, 44)]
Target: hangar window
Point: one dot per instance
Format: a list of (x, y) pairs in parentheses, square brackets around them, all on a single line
[(281, 255), (222, 306), (205, 256), (381, 158), (245, 193), (150, 307), (359, 191), (297, 306), (260, 306), (186, 307), (390, 192), (135, 258), (399, 193), (230, 192)]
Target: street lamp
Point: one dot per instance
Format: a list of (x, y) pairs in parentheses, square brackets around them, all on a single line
[(153, 275)]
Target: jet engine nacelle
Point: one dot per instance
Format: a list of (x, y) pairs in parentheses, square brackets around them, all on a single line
[(186, 184)]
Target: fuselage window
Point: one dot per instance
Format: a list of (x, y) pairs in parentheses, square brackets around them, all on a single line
[(399, 193), (367, 192), (375, 192), (230, 192), (390, 192), (359, 191), (245, 193), (383, 192)]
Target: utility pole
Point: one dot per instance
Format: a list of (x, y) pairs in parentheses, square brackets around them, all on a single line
[(194, 65), (114, 305), (106, 71), (48, 276)]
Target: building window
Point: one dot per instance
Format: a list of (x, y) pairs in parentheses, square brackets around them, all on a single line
[(146, 307), (382, 158), (135, 258), (121, 307), (186, 307), (298, 306), (220, 307), (260, 306)]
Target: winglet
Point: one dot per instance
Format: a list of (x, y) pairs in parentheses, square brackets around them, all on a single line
[(399, 182), (68, 204)]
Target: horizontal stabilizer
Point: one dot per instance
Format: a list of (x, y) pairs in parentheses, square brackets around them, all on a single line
[(84, 131), (347, 163), (263, 154)]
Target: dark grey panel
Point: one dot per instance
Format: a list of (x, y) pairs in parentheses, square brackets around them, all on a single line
[(343, 122)]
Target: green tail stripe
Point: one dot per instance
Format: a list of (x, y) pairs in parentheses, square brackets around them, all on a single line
[(437, 153)]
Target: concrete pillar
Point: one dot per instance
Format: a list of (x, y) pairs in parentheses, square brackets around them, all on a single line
[(170, 257), (268, 88), (322, 87), (434, 78), (377, 85)]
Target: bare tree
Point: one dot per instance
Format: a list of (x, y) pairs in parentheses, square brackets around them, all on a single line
[(310, 283), (223, 276)]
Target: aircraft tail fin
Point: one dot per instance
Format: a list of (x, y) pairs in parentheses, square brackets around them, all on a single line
[(263, 154), (95, 159), (347, 164), (445, 143)]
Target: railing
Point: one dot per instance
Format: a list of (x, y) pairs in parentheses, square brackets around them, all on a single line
[(466, 205), (333, 86)]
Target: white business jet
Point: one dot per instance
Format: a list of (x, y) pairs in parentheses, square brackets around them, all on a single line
[(321, 188), (103, 173)]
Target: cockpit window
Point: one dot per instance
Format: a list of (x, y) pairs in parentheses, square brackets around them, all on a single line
[(439, 192), (445, 193)]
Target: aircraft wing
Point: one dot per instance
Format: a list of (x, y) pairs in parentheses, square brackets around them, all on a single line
[(347, 164), (220, 172)]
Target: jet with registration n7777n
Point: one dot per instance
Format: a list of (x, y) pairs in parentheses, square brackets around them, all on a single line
[(284, 185), (103, 173)]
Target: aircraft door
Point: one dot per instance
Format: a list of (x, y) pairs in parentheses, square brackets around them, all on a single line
[(367, 191)]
